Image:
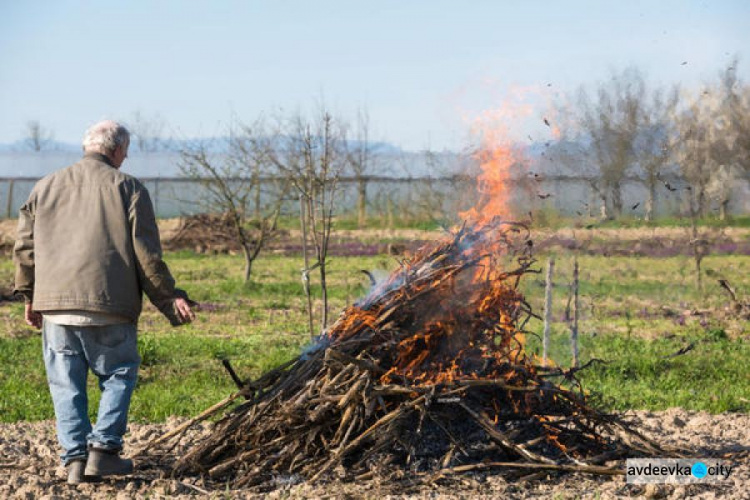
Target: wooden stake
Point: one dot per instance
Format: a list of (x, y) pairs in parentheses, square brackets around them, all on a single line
[(576, 308), (547, 310), (9, 200)]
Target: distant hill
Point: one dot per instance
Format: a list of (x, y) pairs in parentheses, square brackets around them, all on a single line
[(17, 160), (21, 146), (212, 144)]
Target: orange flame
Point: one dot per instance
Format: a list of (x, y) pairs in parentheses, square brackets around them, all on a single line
[(496, 156)]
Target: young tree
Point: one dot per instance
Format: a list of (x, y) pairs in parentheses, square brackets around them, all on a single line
[(37, 137), (360, 161), (231, 181), (311, 154)]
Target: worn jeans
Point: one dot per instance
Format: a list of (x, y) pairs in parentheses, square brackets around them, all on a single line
[(111, 353)]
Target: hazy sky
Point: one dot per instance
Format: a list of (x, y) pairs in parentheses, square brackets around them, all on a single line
[(421, 68)]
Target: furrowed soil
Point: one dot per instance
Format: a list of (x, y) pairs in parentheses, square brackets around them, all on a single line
[(591, 240), (29, 469)]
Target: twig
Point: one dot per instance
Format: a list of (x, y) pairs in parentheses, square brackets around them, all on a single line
[(588, 469), (194, 487), (186, 425), (228, 367), (682, 351), (726, 286), (354, 444), (501, 438)]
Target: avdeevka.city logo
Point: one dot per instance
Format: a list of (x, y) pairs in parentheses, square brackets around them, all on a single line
[(699, 470), (676, 470)]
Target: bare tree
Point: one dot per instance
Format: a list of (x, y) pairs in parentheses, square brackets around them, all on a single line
[(736, 105), (655, 135), (231, 181), (148, 132), (312, 156), (694, 152), (37, 137), (360, 162), (571, 152), (720, 187), (609, 123), (732, 150), (712, 147)]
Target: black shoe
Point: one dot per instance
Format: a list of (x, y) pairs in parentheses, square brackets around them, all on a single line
[(77, 475), (75, 471), (107, 463)]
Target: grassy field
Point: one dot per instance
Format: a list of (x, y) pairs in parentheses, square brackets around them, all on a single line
[(633, 319)]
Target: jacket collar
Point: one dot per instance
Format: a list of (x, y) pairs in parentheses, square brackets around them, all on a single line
[(99, 157)]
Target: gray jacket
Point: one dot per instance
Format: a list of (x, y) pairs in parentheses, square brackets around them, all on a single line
[(88, 240)]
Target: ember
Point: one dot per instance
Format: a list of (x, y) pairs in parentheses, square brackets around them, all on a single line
[(427, 374)]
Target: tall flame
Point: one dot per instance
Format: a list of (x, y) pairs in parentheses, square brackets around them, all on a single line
[(496, 156)]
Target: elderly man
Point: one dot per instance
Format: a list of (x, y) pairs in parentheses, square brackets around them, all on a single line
[(87, 247)]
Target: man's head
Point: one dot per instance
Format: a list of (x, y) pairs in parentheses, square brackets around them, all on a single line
[(108, 138)]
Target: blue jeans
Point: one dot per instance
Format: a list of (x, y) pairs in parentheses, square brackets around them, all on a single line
[(111, 353)]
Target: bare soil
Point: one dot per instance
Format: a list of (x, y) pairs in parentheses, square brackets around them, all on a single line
[(30, 469), (648, 242)]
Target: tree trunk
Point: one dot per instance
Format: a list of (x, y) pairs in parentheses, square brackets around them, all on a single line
[(651, 201), (306, 271), (256, 209), (361, 202), (616, 201), (702, 202), (389, 212), (604, 213), (698, 276), (248, 262), (324, 296), (9, 201), (697, 250), (724, 209)]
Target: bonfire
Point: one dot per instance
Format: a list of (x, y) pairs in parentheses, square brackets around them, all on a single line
[(427, 375)]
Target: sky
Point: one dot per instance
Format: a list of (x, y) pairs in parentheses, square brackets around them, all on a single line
[(422, 69)]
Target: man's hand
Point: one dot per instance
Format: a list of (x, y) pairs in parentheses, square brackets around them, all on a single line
[(33, 318), (184, 311)]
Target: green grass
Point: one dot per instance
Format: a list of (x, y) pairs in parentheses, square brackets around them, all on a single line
[(263, 323), (641, 373), (739, 221)]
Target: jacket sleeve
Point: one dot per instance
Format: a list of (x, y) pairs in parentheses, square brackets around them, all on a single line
[(23, 250), (153, 273)]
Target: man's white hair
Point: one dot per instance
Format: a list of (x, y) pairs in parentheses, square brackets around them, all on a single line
[(105, 136)]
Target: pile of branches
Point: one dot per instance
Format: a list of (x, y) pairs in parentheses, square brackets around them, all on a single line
[(205, 233), (426, 376)]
